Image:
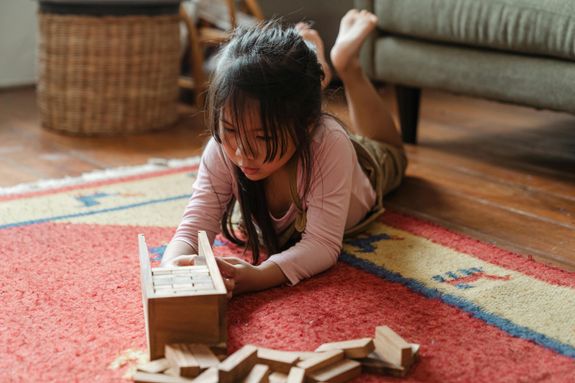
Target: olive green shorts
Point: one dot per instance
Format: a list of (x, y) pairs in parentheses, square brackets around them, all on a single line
[(385, 166)]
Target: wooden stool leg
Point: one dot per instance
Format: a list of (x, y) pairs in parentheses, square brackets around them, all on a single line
[(196, 58)]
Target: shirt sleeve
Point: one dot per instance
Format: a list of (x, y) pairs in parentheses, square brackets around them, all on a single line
[(211, 193), (327, 209)]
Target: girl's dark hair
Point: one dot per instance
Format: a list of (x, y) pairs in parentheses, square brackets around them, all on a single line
[(272, 67)]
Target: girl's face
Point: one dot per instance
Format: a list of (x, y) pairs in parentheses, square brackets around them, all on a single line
[(246, 146)]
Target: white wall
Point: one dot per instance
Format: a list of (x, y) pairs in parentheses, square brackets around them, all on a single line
[(18, 39)]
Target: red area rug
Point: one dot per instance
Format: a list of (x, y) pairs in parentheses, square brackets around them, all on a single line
[(72, 301)]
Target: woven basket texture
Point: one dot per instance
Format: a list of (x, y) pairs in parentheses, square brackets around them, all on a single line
[(108, 75)]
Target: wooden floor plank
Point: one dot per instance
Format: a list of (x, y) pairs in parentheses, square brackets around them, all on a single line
[(518, 178), (492, 191), (504, 153)]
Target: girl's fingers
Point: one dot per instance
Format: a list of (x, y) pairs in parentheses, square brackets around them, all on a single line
[(230, 285), (227, 269), (233, 260)]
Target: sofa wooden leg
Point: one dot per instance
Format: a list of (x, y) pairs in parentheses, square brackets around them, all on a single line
[(408, 105)]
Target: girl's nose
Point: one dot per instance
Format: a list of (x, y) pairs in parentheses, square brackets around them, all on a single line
[(244, 153)]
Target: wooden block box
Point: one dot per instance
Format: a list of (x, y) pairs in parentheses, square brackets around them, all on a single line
[(183, 304)]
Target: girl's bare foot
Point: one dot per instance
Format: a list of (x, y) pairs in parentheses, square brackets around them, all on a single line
[(312, 36), (354, 28)]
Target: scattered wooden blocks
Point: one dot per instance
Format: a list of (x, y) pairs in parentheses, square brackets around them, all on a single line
[(237, 365), (146, 377), (296, 375), (182, 360), (353, 349), (373, 364), (339, 372), (278, 377), (204, 356), (391, 347), (392, 356), (278, 361), (323, 359), (209, 376), (173, 371), (258, 374), (155, 366)]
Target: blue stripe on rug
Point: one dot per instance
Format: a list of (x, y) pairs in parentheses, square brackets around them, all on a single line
[(92, 212), (475, 310)]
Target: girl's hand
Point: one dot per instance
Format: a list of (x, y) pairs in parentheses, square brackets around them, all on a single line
[(239, 275), (180, 260)]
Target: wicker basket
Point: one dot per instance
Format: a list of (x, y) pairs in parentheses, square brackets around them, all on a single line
[(108, 75)]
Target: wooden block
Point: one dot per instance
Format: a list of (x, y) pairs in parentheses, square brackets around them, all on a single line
[(180, 357), (414, 351), (172, 371), (208, 376), (278, 377), (157, 271), (320, 361), (258, 374), (278, 361), (237, 365), (296, 375), (354, 349), (338, 372), (154, 366), (179, 270), (373, 364), (146, 377), (203, 355), (391, 347), (219, 348), (303, 355)]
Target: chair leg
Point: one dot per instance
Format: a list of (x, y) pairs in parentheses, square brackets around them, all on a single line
[(408, 106)]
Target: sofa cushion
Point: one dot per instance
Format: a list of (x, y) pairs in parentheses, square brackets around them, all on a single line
[(540, 82), (541, 27)]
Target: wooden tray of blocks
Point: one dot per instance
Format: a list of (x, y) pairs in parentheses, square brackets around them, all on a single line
[(183, 304)]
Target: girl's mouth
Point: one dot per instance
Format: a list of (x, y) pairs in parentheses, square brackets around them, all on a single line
[(249, 171)]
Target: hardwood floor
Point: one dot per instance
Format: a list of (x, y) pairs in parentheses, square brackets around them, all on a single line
[(499, 173)]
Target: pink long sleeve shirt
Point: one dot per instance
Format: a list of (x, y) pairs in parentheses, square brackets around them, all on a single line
[(340, 196)]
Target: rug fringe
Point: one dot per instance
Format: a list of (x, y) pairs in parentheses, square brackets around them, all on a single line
[(154, 164)]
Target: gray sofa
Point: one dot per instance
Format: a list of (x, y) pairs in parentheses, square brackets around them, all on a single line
[(514, 51)]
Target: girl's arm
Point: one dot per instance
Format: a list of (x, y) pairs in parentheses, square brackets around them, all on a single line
[(211, 193), (335, 164), (247, 277)]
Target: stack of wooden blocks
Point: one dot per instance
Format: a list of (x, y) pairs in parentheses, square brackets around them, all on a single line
[(337, 362)]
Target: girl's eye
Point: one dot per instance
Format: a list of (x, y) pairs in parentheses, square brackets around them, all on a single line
[(263, 138), (229, 130)]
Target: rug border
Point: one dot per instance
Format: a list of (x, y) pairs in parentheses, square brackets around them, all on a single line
[(462, 304), (93, 178)]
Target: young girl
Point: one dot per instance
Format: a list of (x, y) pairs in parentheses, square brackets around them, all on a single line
[(300, 179)]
